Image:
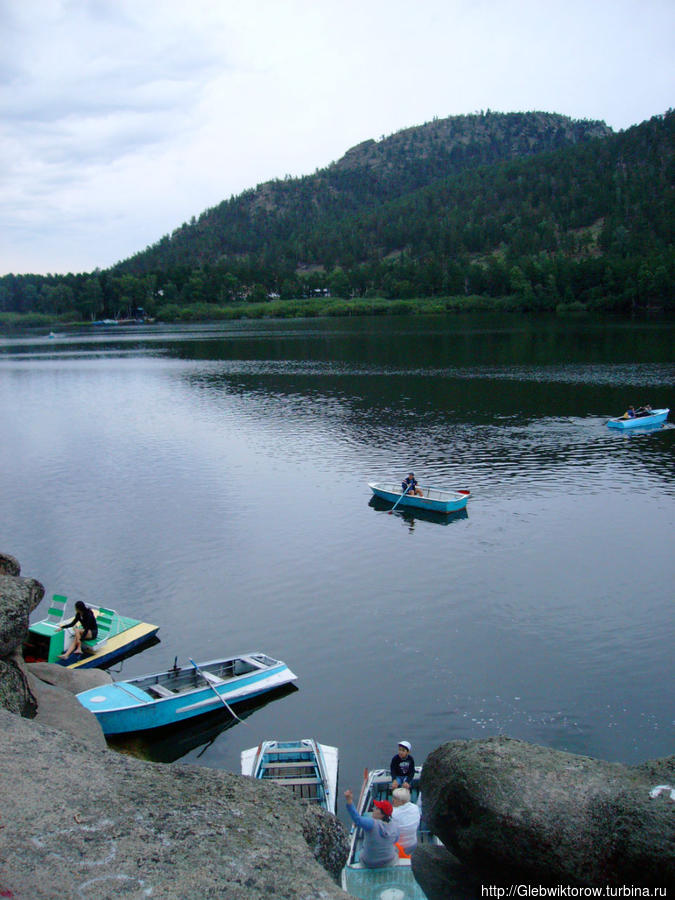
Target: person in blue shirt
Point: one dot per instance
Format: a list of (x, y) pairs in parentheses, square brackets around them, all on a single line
[(402, 767), (409, 485), (379, 833)]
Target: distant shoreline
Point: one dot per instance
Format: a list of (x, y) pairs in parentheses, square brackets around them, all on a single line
[(327, 307)]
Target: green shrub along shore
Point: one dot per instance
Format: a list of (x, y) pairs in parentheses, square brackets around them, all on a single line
[(315, 308)]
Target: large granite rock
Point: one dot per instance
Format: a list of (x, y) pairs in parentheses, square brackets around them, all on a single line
[(18, 598), (77, 819), (441, 875), (552, 817), (59, 708), (9, 565), (82, 821), (72, 680), (15, 692)]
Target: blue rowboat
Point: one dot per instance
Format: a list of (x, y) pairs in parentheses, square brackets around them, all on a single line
[(655, 417), (310, 769), (432, 499), (168, 698), (118, 636), (395, 880)]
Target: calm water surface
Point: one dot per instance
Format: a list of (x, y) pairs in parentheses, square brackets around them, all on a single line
[(213, 480)]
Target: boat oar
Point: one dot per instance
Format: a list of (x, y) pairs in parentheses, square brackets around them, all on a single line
[(399, 500), (206, 678)]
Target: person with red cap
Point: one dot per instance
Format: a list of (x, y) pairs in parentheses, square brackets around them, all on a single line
[(379, 833)]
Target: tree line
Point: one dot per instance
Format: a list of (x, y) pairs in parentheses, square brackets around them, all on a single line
[(587, 226)]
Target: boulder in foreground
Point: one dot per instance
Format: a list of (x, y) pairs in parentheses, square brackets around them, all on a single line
[(552, 817)]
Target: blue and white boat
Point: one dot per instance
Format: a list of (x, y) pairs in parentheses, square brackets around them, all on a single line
[(640, 419), (168, 698), (310, 769), (395, 880), (433, 499)]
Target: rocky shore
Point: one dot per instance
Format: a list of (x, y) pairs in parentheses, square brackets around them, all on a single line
[(516, 813), (80, 820)]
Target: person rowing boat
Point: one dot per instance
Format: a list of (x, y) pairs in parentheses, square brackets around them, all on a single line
[(409, 485)]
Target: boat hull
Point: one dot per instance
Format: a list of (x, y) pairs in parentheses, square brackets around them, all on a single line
[(124, 707), (310, 769), (657, 417), (434, 499)]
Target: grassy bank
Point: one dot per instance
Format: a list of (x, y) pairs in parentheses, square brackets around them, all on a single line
[(333, 306), (304, 308)]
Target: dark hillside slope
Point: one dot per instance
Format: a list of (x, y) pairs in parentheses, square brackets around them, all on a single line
[(621, 188), (474, 212), (275, 218)]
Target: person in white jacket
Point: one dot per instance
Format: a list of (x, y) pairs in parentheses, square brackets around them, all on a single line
[(407, 817)]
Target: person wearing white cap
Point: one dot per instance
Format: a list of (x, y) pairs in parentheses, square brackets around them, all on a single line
[(402, 767)]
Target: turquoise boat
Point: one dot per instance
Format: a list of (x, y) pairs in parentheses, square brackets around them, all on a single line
[(179, 694), (433, 499), (392, 881), (640, 420), (118, 636), (309, 768)]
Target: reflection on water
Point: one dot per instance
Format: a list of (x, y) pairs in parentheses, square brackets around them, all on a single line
[(410, 515), (196, 736), (214, 480)]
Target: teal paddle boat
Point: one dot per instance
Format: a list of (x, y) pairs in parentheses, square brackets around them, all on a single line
[(118, 636), (395, 880), (310, 769), (640, 419), (179, 694), (433, 499)]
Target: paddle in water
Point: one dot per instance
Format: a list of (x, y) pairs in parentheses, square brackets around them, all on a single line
[(399, 500)]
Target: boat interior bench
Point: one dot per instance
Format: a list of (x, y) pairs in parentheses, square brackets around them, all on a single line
[(289, 769), (306, 788), (159, 690)]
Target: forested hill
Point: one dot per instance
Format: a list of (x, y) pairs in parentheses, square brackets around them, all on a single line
[(527, 211), (278, 222)]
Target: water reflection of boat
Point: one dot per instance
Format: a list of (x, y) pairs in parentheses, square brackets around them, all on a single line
[(411, 514), (168, 744)]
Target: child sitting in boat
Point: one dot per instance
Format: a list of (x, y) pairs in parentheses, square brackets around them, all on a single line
[(409, 486), (402, 767)]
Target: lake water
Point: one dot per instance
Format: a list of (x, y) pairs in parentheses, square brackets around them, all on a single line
[(213, 480)]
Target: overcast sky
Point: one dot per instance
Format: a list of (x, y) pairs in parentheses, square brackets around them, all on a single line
[(121, 119)]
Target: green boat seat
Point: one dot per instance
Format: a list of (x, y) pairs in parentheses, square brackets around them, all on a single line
[(56, 609), (105, 620)]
